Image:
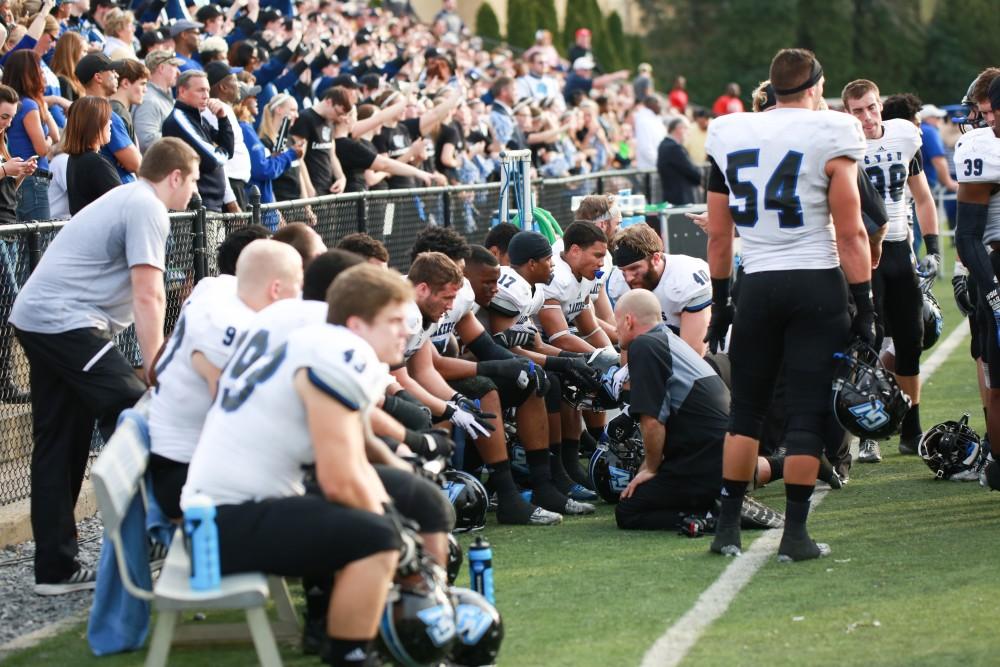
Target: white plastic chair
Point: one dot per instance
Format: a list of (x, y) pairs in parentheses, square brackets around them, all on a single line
[(117, 476)]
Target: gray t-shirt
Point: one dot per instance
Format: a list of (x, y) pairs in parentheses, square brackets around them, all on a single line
[(83, 279)]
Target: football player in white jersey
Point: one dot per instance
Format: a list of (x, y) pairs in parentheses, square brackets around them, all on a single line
[(437, 280), (680, 283), (977, 164), (779, 177), (307, 403), (205, 335), (498, 239), (894, 165), (603, 212)]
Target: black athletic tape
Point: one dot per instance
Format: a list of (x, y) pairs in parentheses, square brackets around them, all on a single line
[(487, 349), (932, 243), (814, 77), (862, 293), (720, 291)]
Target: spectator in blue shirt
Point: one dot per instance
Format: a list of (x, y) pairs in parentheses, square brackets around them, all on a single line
[(935, 158), (31, 133), (98, 75)]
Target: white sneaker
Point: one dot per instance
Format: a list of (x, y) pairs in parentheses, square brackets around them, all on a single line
[(869, 452), (543, 517), (81, 580)]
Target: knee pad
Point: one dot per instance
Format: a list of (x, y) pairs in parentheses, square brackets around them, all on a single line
[(804, 435), (746, 422)]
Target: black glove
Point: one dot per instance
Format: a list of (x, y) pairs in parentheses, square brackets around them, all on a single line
[(514, 338), (430, 444), (722, 315), (576, 370), (863, 324), (960, 287), (518, 369)]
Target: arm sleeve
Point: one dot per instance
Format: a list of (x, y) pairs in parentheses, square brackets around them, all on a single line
[(916, 164), (716, 179)]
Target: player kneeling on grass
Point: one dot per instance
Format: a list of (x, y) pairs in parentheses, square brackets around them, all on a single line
[(307, 402)]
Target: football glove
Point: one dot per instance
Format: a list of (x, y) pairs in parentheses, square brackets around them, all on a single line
[(960, 288), (576, 370), (466, 415), (517, 369), (514, 338), (722, 315), (863, 323), (430, 444), (929, 266)]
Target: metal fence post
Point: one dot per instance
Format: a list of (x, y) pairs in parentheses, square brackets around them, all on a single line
[(198, 241), (600, 185), (446, 213), (648, 186), (363, 214), (34, 249), (254, 200)]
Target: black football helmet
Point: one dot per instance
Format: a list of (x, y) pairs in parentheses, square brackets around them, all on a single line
[(972, 120), (616, 462), (469, 498), (607, 362), (455, 558), (479, 628), (952, 450), (866, 399), (933, 319), (418, 622)]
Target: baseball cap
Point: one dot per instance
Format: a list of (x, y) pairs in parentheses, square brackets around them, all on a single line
[(268, 15), (246, 90), (217, 71), (583, 32), (157, 58), (346, 80), (91, 65), (214, 44), (931, 111), (583, 62), (208, 12), (184, 25)]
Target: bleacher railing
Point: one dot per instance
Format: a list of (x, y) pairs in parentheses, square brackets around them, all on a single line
[(394, 216)]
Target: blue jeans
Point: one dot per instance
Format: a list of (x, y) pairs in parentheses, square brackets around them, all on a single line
[(33, 199)]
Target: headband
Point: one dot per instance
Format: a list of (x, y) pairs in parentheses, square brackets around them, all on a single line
[(625, 255), (814, 77)]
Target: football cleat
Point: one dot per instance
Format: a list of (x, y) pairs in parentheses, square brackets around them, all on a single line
[(727, 541), (990, 477), (574, 508), (909, 446), (869, 452), (543, 517), (582, 493), (794, 549)]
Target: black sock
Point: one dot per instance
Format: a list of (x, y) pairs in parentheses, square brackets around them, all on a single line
[(777, 464), (317, 590), (800, 493), (502, 479), (733, 492), (911, 423), (571, 462), (347, 652), (538, 464), (588, 443), (732, 488), (596, 432), (557, 469)]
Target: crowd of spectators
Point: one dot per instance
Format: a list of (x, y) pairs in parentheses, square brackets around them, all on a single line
[(302, 98)]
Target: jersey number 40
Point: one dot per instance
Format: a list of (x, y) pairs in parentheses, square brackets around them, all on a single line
[(779, 192)]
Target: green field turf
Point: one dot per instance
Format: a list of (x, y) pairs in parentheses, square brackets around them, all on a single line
[(908, 582)]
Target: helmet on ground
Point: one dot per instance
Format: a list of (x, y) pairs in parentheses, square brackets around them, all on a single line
[(933, 320), (455, 558), (469, 498), (606, 362), (479, 628), (866, 399), (952, 448), (418, 622), (616, 462)]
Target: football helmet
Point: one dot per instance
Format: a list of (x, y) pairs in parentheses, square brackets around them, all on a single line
[(933, 319), (607, 362), (973, 119), (866, 399), (469, 498), (479, 628), (455, 559), (418, 622), (616, 462), (952, 448)]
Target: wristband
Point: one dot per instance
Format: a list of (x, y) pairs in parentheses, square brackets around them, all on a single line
[(933, 247), (448, 412), (720, 291), (413, 440), (862, 293)]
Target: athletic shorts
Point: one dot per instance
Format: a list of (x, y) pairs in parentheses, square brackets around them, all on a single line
[(899, 304), (169, 477), (791, 322)]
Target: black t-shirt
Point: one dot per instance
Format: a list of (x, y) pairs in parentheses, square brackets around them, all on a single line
[(394, 142), (450, 133), (354, 158), (383, 184), (319, 137), (287, 185), (8, 200), (413, 127), (673, 384), (88, 176)]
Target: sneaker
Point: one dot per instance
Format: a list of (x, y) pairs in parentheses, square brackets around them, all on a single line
[(573, 508), (968, 475), (870, 452), (908, 446), (82, 580), (581, 493), (543, 517)]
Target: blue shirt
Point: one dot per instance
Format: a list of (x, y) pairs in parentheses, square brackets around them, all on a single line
[(18, 142), (187, 63), (119, 140), (931, 148)]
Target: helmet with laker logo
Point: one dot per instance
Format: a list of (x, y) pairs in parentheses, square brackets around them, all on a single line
[(479, 629), (469, 498), (866, 399), (952, 450), (418, 622), (616, 462)]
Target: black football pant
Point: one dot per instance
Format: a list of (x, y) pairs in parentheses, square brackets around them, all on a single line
[(664, 501), (77, 377), (899, 304)]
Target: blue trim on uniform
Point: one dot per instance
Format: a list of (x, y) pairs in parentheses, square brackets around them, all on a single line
[(330, 391), (699, 307)]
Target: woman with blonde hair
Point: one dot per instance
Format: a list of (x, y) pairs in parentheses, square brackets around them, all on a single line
[(70, 49), (119, 26), (88, 173), (293, 182)]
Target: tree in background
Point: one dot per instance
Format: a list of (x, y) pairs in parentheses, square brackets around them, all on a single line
[(546, 18), (958, 47), (487, 23), (619, 57), (521, 23)]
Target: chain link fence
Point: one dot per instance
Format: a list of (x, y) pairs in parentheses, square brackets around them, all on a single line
[(394, 217)]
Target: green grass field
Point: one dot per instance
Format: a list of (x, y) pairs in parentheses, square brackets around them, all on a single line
[(908, 582)]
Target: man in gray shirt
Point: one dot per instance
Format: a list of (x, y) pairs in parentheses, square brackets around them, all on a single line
[(148, 117), (102, 272)]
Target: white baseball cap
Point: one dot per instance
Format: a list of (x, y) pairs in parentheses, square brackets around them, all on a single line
[(583, 62), (931, 111)]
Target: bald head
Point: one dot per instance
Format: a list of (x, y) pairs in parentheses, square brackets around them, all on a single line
[(636, 312), (268, 271)]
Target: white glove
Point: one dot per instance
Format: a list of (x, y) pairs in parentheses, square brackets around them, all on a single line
[(474, 425)]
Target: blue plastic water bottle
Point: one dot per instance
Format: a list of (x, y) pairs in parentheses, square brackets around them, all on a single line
[(481, 568), (203, 543)]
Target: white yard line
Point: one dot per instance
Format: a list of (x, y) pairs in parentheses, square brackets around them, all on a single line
[(674, 645)]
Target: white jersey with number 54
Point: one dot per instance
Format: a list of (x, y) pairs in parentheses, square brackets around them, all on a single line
[(774, 164)]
